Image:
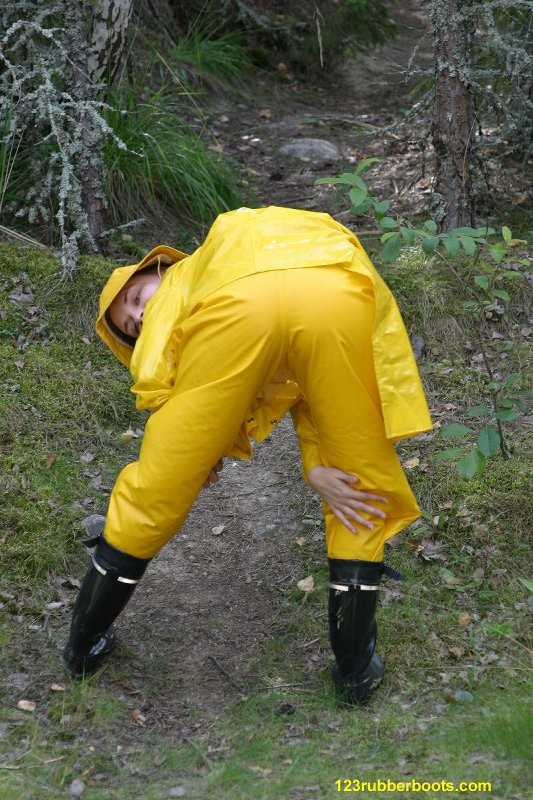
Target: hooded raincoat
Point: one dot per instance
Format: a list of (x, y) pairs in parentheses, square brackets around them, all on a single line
[(279, 310)]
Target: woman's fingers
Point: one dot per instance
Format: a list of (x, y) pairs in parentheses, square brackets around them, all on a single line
[(348, 508), (356, 511), (345, 521), (346, 518), (358, 501), (364, 522), (369, 496), (346, 502), (377, 512)]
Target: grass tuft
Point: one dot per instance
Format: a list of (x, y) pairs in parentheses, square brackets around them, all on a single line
[(208, 56), (164, 165)]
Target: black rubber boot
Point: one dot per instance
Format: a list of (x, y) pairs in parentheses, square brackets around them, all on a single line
[(353, 596), (108, 585)]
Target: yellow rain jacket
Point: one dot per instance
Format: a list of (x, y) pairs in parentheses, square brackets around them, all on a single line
[(245, 242), (145, 509)]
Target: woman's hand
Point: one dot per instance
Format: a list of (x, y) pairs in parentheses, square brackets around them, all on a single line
[(213, 474), (335, 487)]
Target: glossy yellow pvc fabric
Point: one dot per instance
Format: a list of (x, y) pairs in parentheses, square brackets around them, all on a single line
[(234, 337)]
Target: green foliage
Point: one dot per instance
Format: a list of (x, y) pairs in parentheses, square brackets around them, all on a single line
[(508, 402), (159, 159), (53, 140), (162, 163), (501, 75), (9, 146), (51, 121), (354, 23), (208, 55), (483, 295), (304, 34)]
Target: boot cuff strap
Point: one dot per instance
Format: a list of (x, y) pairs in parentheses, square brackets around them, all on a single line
[(359, 573), (119, 578), (119, 565), (392, 573)]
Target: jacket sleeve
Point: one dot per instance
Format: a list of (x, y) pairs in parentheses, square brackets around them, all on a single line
[(307, 436), (151, 391)]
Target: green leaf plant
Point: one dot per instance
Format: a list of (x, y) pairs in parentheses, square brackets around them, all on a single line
[(480, 287)]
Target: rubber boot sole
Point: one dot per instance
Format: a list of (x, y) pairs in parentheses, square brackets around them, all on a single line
[(83, 666)]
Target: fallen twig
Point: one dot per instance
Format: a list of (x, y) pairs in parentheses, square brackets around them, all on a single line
[(226, 674)]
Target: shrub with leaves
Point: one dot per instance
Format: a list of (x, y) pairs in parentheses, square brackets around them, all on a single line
[(480, 283)]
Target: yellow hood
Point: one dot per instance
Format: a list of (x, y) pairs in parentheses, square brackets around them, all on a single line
[(121, 345)]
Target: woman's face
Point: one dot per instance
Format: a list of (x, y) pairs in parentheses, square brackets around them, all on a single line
[(126, 310)]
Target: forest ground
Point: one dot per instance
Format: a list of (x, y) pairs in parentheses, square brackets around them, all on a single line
[(218, 616)]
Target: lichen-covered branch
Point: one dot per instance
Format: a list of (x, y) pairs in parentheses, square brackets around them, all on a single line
[(52, 61)]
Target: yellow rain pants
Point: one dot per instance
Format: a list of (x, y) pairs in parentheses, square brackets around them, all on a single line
[(317, 323)]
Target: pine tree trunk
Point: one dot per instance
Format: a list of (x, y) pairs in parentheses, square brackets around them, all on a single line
[(453, 121)]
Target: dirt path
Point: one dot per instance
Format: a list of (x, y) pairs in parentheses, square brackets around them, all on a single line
[(208, 603), (350, 109), (209, 600)]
